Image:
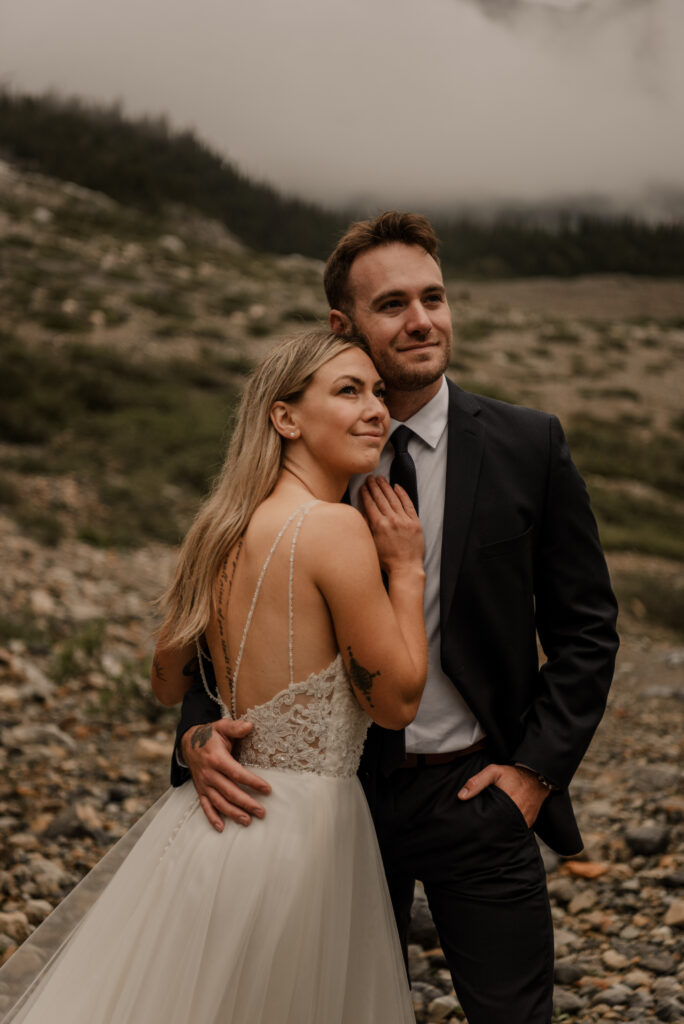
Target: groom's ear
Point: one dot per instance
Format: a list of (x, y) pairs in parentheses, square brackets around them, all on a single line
[(340, 323)]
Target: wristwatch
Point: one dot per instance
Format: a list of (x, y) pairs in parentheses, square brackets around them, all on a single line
[(537, 775)]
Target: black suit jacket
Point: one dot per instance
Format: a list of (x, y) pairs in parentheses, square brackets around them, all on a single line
[(521, 558)]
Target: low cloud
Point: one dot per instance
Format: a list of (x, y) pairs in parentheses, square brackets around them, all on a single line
[(437, 103)]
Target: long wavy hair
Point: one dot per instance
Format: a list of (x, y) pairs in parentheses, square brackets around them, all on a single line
[(249, 474)]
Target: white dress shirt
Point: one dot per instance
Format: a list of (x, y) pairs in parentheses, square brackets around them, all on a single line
[(444, 722)]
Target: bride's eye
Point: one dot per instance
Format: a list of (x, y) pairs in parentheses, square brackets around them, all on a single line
[(348, 389)]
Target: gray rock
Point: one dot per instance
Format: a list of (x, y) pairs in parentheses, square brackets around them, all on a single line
[(568, 972), (582, 901), (667, 987), (422, 929), (442, 1007), (659, 963), (419, 965), (567, 1002), (616, 995), (561, 890), (16, 925), (20, 736), (654, 778), (38, 910), (647, 840), (428, 992), (49, 877), (563, 937), (675, 914), (550, 858), (670, 1010)]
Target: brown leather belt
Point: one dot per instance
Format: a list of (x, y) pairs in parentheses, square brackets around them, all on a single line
[(428, 760)]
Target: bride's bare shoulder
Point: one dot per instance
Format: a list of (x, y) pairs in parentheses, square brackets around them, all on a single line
[(329, 515), (336, 531)]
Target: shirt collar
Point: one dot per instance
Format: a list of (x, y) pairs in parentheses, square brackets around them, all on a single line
[(429, 423)]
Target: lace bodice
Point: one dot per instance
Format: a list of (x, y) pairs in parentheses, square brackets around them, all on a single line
[(315, 725)]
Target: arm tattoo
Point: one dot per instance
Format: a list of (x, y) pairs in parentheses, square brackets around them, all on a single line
[(200, 736), (158, 670), (361, 678)]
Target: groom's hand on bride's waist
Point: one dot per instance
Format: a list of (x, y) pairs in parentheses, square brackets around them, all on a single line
[(218, 778)]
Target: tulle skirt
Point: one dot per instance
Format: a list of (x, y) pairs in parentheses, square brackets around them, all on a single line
[(287, 921)]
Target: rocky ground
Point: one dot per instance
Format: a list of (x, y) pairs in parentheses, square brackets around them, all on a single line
[(85, 751)]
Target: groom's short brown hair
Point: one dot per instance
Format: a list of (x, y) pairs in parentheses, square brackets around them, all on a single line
[(388, 227)]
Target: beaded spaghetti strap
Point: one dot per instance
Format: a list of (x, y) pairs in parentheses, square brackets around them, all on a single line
[(302, 511)]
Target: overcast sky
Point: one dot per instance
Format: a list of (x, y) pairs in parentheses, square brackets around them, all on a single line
[(409, 102)]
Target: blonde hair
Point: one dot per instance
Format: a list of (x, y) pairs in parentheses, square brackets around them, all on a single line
[(249, 474)]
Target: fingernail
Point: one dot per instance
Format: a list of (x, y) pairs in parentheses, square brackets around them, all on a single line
[(259, 813), (463, 792), (219, 826), (244, 821)]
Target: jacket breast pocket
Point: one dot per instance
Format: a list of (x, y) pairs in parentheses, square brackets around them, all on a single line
[(508, 546)]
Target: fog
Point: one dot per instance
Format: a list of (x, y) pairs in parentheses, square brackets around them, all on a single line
[(427, 103)]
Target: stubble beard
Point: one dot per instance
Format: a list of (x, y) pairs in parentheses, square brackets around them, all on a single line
[(402, 378)]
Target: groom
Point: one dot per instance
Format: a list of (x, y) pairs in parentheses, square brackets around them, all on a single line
[(512, 555)]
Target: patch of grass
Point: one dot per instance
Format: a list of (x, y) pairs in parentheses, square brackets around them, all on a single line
[(620, 393), (302, 314), (611, 343), (561, 335), (579, 366), (57, 319), (79, 652), (651, 341), (259, 328), (9, 492), (170, 329), (40, 524), (631, 523), (234, 302), (23, 625), (240, 364), (163, 302), (209, 332), (659, 600), (130, 428), (476, 330), (612, 449), (130, 697), (658, 369), (632, 419), (488, 390)]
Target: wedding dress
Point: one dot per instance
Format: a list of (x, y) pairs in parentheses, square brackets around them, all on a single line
[(285, 922)]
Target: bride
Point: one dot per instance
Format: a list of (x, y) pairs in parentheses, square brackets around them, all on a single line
[(287, 921)]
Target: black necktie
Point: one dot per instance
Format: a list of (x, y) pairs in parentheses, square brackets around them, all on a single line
[(403, 468)]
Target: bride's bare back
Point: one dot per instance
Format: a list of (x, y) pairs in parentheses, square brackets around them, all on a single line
[(264, 666)]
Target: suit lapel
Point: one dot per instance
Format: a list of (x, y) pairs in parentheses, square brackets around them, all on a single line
[(464, 455)]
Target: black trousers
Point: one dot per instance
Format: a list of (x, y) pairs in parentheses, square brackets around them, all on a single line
[(485, 884)]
